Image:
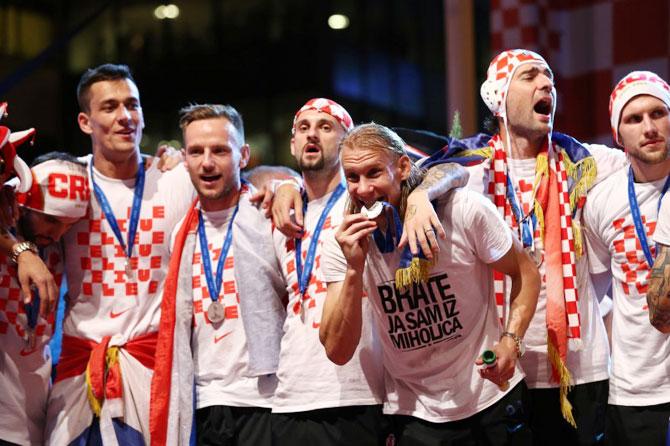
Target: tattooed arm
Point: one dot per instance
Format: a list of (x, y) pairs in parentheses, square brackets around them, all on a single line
[(421, 222), (658, 294)]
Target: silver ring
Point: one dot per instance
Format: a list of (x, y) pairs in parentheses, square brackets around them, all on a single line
[(429, 230)]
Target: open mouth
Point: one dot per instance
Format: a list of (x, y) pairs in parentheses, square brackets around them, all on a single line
[(210, 178), (312, 148), (543, 106)]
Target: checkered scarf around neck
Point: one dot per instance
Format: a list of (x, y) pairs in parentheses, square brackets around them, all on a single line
[(553, 213), (554, 219)]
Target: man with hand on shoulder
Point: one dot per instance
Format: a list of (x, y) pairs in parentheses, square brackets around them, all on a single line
[(435, 317)]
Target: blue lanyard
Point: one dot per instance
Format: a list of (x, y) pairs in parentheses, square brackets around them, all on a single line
[(637, 218), (214, 287), (32, 309), (306, 274), (527, 225), (134, 212), (385, 241)]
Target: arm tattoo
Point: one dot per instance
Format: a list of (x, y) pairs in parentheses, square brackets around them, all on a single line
[(441, 178), (658, 293), (411, 211)]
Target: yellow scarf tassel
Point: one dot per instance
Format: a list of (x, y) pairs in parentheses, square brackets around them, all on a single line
[(416, 272), (584, 173), (564, 377), (484, 152), (111, 358), (539, 217), (577, 236)]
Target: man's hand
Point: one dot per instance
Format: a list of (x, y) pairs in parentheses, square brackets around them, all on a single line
[(352, 235), (421, 224), (287, 198), (9, 209), (263, 199), (503, 370), (168, 158), (32, 272)]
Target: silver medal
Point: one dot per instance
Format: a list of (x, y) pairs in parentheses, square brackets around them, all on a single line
[(216, 312), (129, 269), (373, 211), (302, 309)]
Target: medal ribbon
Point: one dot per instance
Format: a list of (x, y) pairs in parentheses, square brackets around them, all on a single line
[(385, 242), (637, 218), (526, 224), (214, 287), (32, 309), (134, 212), (305, 274)]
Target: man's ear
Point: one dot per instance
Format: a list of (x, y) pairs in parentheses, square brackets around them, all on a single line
[(404, 166), (84, 123), (245, 153), (293, 146)]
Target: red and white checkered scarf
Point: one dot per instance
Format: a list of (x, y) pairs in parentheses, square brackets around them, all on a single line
[(552, 208)]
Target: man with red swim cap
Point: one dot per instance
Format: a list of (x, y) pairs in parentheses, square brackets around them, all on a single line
[(316, 401), (620, 221), (538, 179)]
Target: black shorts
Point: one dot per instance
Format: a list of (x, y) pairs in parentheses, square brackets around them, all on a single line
[(228, 426), (504, 423), (637, 425), (337, 426), (589, 408)]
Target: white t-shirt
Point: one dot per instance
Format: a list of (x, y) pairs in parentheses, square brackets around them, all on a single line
[(590, 363), (640, 353), (432, 333), (103, 301), (220, 350), (308, 380), (25, 372)]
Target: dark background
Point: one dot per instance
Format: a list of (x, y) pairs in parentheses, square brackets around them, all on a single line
[(268, 57), (265, 57)]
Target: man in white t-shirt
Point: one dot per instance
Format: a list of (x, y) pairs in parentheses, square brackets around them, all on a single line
[(116, 261), (224, 254), (57, 198), (538, 180), (620, 218), (316, 401), (433, 328)]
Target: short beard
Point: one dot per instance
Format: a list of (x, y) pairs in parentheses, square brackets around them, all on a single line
[(227, 189), (316, 166)]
